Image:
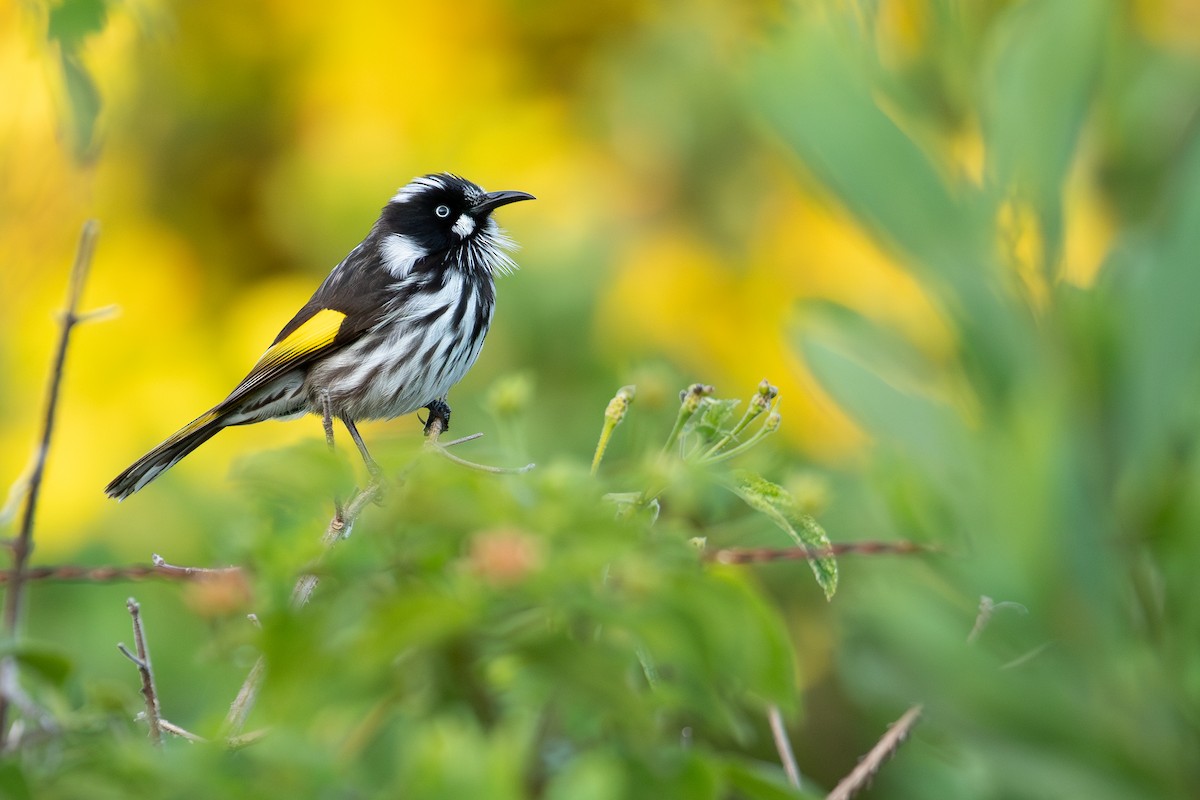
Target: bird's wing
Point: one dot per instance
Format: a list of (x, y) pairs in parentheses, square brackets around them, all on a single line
[(314, 331), (346, 306)]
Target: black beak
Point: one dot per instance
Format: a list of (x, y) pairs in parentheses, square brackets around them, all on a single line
[(493, 200)]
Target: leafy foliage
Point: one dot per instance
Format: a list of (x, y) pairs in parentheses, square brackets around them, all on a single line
[(522, 620), (1019, 356)]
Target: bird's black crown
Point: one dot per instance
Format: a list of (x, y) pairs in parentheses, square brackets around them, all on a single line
[(440, 212)]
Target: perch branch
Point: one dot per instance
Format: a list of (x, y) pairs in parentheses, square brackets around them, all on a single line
[(22, 545)]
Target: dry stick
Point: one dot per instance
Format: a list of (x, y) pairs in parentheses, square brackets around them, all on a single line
[(142, 660), (884, 749), (111, 573), (22, 545), (783, 745), (161, 567)]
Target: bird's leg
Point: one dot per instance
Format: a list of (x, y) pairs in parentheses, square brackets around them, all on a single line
[(327, 418), (372, 466), (327, 421), (438, 423)]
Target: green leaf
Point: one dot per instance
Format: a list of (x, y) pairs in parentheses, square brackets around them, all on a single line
[(1043, 73), (886, 350), (762, 781), (47, 662), (1157, 283), (712, 418), (72, 21), (780, 507), (83, 101), (889, 410), (13, 784), (814, 90), (591, 776)]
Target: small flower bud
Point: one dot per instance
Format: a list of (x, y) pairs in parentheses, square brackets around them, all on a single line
[(619, 404), (692, 396), (765, 394)]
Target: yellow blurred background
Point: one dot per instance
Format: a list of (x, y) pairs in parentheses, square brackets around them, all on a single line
[(244, 148)]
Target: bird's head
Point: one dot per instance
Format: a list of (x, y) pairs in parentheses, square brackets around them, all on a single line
[(447, 218)]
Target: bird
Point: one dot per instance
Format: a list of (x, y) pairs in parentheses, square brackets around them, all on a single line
[(395, 325)]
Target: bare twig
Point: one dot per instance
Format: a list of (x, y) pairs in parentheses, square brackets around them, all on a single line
[(783, 745), (175, 730), (243, 704), (22, 546), (434, 446), (438, 424), (111, 573), (755, 555), (884, 749), (339, 528), (142, 660), (161, 567), (987, 607)]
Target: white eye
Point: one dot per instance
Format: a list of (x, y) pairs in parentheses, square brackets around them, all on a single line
[(442, 211)]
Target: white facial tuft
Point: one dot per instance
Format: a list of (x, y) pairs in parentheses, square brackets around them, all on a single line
[(464, 226), (400, 253), (415, 187)]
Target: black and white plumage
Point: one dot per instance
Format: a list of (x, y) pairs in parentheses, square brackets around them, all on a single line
[(396, 324)]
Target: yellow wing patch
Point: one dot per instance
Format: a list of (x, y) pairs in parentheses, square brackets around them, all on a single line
[(316, 332)]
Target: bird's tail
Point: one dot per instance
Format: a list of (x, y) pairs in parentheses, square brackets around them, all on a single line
[(166, 455)]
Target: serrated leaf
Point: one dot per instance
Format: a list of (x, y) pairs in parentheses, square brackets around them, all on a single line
[(780, 507)]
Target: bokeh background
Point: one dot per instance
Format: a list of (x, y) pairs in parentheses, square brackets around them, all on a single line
[(715, 179), (241, 152)]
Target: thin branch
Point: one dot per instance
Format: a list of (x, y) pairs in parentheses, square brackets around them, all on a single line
[(884, 749), (142, 661), (757, 555), (111, 573), (436, 426), (988, 607), (339, 528), (22, 546), (175, 730), (161, 567), (783, 745), (240, 708)]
